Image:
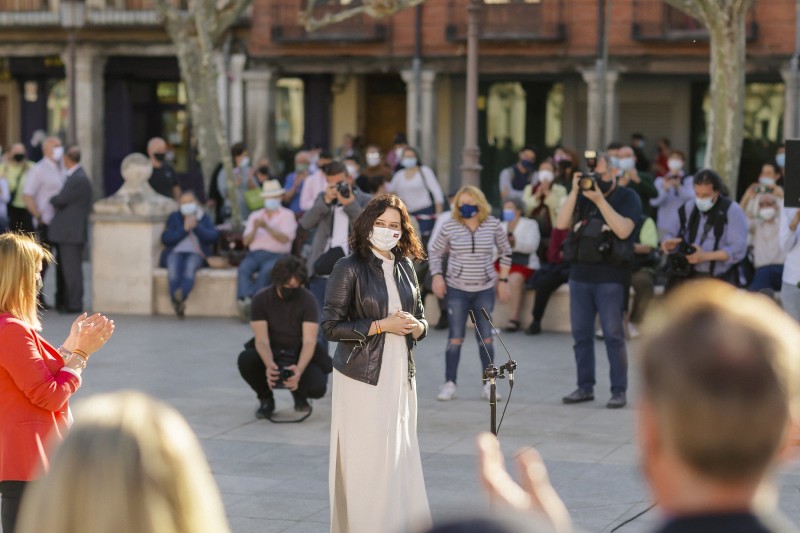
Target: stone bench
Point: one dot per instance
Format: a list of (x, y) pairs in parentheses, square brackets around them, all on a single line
[(214, 293)]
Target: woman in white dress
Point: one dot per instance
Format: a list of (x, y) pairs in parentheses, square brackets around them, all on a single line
[(373, 309)]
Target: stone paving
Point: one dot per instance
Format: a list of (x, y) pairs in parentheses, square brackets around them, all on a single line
[(275, 477)]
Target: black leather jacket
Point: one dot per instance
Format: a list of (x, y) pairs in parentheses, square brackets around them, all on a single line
[(355, 297)]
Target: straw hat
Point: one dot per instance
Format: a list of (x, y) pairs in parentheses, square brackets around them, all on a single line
[(271, 189)]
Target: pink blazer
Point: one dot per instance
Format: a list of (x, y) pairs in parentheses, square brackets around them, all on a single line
[(34, 394)]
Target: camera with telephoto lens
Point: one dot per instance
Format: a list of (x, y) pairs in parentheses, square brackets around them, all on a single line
[(588, 179), (343, 189), (677, 263)]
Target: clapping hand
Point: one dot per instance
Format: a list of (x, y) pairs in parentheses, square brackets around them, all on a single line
[(89, 333)]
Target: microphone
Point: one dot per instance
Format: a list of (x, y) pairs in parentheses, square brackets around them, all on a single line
[(511, 365), (491, 362)]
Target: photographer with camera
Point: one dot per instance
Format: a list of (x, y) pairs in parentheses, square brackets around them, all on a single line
[(601, 218), (710, 236), (284, 352), (766, 184)]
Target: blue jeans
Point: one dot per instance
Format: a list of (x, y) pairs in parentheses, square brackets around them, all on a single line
[(767, 277), (181, 270), (586, 301), (256, 263), (459, 303)]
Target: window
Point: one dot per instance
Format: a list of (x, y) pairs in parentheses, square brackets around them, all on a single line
[(290, 113)]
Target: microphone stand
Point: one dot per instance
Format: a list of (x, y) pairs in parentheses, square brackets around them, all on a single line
[(491, 374), (510, 366)]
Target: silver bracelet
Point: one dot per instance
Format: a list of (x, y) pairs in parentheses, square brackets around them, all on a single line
[(64, 353)]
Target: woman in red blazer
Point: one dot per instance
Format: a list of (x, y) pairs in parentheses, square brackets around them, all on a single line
[(36, 379)]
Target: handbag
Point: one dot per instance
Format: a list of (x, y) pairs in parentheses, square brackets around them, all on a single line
[(324, 264), (253, 199)]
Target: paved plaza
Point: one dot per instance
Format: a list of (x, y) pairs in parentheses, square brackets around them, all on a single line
[(274, 477)]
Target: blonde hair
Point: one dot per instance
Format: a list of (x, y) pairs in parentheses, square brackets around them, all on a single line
[(20, 260), (484, 209), (721, 368), (129, 465)]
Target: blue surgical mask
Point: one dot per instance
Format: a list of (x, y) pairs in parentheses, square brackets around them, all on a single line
[(509, 215), (271, 204), (614, 161), (188, 209), (468, 211), (528, 165), (409, 162), (626, 163), (781, 160), (704, 204)]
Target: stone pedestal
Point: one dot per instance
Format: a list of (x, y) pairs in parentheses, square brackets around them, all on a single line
[(125, 251)]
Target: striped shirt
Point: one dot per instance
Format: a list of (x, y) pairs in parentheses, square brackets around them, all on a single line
[(470, 263)]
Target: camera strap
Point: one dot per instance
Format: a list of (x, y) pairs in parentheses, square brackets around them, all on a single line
[(717, 218)]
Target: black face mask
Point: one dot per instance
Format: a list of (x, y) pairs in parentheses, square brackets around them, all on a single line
[(289, 293), (264, 171), (19, 158), (160, 157), (605, 186)]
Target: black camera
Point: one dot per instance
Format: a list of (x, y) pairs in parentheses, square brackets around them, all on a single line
[(285, 374), (343, 189), (677, 263), (588, 179)]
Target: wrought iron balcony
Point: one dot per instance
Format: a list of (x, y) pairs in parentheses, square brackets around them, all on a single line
[(655, 20), (360, 28), (510, 20)]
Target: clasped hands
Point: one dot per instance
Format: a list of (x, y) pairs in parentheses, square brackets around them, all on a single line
[(400, 323)]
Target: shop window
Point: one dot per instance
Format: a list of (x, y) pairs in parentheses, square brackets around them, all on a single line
[(290, 114), (506, 113), (58, 109), (555, 108)]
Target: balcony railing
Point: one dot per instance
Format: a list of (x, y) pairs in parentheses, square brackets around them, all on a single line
[(286, 25), (655, 20), (510, 20)]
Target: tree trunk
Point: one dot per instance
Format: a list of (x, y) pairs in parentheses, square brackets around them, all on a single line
[(726, 119)]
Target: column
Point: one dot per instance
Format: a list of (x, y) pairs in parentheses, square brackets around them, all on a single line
[(592, 108), (236, 98), (411, 107), (89, 113), (259, 124), (222, 93), (791, 124), (612, 108), (428, 103)]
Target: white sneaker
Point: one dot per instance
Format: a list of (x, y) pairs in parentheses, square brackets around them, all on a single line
[(447, 392), (599, 333), (487, 390), (633, 332)]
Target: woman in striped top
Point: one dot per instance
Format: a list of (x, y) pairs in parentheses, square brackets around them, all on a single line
[(469, 240)]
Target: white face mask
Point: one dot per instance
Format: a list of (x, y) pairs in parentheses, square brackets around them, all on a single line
[(373, 159), (675, 165), (546, 175), (271, 204), (245, 162), (351, 171), (188, 209), (767, 213), (384, 239), (769, 182), (626, 163), (704, 204), (58, 153)]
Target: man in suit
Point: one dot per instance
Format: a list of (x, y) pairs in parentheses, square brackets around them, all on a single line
[(719, 411), (68, 230)]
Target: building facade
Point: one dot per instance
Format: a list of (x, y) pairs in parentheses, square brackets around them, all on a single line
[(283, 87)]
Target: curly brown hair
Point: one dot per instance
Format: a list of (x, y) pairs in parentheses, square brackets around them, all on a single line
[(409, 245)]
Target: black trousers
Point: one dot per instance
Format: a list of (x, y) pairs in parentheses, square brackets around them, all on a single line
[(546, 281), (12, 496), (70, 265), (44, 240), (19, 220), (313, 382)]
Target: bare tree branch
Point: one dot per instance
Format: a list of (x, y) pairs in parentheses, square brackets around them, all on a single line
[(226, 17), (691, 8), (374, 8)]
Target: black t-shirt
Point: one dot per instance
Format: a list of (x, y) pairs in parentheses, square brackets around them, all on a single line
[(626, 203), (163, 179), (284, 318)]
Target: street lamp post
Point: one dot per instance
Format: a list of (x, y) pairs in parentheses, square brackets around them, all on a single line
[(470, 163), (72, 19)]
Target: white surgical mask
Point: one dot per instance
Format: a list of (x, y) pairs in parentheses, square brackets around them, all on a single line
[(384, 239), (781, 159), (245, 162), (58, 153), (409, 162), (626, 163), (768, 182), (614, 160), (767, 213), (373, 159), (675, 165), (351, 171), (188, 209), (546, 175), (704, 204), (271, 204)]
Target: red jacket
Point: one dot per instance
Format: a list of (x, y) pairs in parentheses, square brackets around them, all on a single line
[(34, 394)]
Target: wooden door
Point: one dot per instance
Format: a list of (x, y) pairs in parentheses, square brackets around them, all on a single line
[(385, 116)]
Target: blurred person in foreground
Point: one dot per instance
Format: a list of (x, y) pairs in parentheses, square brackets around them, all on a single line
[(130, 464), (36, 379), (373, 309), (718, 414)]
